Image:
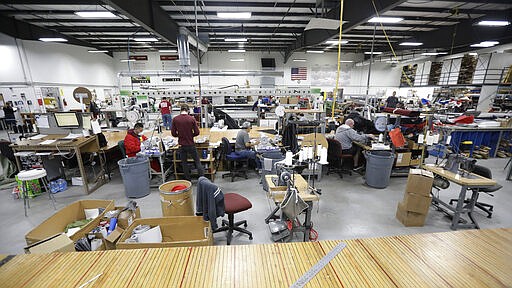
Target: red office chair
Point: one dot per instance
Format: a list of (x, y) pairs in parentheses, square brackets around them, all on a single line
[(234, 203)]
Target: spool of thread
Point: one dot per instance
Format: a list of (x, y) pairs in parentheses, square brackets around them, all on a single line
[(288, 159), (310, 152), (381, 138), (323, 156), (301, 155), (318, 150)]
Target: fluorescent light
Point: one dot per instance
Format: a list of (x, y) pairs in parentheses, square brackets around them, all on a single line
[(299, 60), (237, 59), (335, 42), (473, 54), (385, 20), (53, 39), (234, 15), (411, 44), (315, 51), (346, 61), (127, 60), (493, 23), (374, 53), (168, 51), (486, 44), (236, 50), (97, 51), (96, 14), (145, 39), (235, 39), (433, 53)]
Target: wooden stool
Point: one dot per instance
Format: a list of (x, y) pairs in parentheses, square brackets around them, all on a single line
[(27, 175)]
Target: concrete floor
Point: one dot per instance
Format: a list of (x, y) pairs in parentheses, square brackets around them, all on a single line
[(348, 208)]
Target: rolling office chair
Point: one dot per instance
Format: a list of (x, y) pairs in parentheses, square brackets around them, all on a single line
[(337, 160), (487, 208), (237, 165), (234, 203), (120, 144)]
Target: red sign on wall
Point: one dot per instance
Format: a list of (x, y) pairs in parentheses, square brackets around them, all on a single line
[(168, 57), (139, 57)]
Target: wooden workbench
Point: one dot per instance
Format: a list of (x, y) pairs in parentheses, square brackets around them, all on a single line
[(472, 258), (301, 184), (79, 145), (475, 180)]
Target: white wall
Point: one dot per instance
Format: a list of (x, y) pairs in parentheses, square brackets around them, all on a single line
[(29, 65)]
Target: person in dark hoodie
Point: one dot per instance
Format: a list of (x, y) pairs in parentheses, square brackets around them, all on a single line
[(133, 139), (345, 134)]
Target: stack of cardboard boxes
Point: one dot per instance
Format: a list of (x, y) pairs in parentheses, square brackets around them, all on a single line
[(413, 209)]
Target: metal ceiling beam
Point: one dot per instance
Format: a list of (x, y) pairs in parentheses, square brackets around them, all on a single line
[(51, 2), (480, 1), (443, 10), (355, 13), (272, 4), (26, 31), (152, 17)]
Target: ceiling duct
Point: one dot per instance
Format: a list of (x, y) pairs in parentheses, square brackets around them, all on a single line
[(183, 54)]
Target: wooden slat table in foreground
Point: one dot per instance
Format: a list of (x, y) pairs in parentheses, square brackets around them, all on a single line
[(472, 258)]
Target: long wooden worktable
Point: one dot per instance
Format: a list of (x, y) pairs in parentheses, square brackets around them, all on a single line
[(472, 258)]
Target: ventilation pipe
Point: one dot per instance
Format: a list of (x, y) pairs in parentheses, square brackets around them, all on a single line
[(183, 54)]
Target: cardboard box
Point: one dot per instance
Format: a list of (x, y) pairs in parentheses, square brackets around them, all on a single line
[(283, 99), (57, 223), (126, 218), (419, 182), (413, 145), (178, 231), (402, 159), (55, 243), (112, 239), (415, 162), (409, 219), (293, 100), (416, 203)]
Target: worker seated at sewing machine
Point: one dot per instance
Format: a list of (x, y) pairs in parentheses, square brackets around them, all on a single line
[(133, 140), (244, 145), (345, 134)]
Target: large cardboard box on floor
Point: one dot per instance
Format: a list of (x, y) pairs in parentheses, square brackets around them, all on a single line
[(419, 182), (55, 243), (409, 219), (178, 231), (416, 203), (57, 222), (403, 159)]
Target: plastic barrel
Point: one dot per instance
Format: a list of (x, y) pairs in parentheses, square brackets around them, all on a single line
[(176, 203), (135, 174), (378, 168)]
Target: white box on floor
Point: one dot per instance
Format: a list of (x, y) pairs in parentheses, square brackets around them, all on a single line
[(77, 181)]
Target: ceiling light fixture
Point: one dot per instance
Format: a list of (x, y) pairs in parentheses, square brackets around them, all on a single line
[(346, 61), (299, 60), (234, 15), (97, 51), (235, 39), (315, 51), (95, 14), (168, 51), (374, 53), (411, 44), (53, 39), (335, 42), (486, 44), (127, 60), (237, 59), (433, 53), (145, 39), (385, 20), (497, 23), (236, 50)]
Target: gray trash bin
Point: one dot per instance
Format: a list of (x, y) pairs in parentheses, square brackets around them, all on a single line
[(378, 168), (135, 174)]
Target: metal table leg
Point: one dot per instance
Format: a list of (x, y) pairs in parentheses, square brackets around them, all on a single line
[(459, 208), (307, 221)]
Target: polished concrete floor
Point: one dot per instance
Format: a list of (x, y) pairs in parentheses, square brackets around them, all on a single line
[(347, 209)]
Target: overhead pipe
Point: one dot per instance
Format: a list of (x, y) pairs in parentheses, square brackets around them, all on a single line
[(183, 53)]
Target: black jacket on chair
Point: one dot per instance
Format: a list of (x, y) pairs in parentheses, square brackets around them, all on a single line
[(209, 201), (290, 138)]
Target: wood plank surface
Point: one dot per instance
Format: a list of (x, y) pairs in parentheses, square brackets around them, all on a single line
[(474, 180), (471, 258)]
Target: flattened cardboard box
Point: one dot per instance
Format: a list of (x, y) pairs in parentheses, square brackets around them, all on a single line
[(416, 203), (57, 223), (55, 243), (177, 231), (409, 219), (419, 182)]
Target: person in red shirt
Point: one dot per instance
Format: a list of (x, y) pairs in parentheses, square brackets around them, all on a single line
[(133, 139), (185, 128), (165, 108)]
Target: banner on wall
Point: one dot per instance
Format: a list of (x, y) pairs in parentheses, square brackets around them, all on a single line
[(140, 79)]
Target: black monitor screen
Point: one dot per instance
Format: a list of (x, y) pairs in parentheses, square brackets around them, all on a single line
[(268, 62)]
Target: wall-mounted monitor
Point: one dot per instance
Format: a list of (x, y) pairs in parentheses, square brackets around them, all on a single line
[(268, 63), (66, 119)]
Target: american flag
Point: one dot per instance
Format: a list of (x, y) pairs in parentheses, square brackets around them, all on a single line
[(300, 73)]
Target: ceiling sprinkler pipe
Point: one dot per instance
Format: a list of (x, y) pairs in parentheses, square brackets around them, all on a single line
[(183, 53)]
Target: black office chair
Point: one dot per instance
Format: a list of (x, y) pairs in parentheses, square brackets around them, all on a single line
[(120, 144), (237, 165), (338, 162), (484, 172)]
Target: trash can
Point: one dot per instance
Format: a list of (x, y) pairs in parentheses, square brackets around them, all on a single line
[(378, 168), (176, 198), (135, 174), (268, 165)]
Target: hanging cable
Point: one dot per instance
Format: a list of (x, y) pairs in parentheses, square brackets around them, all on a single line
[(339, 59)]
